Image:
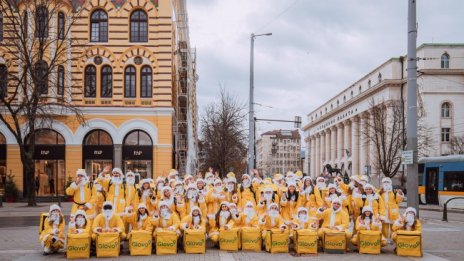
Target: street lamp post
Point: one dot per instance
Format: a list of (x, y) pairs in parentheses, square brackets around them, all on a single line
[(251, 113)]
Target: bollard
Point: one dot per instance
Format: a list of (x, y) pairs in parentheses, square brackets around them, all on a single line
[(445, 208), (1, 201)]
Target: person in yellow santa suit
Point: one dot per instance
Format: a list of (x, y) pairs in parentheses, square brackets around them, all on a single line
[(83, 193), (108, 221), (320, 190), (334, 219), (146, 195), (100, 196), (194, 221), (290, 202), (52, 237), (140, 220), (391, 199), (307, 191), (408, 221), (232, 195), (79, 224), (372, 199), (271, 220), (234, 214), (160, 183), (201, 186), (302, 220), (248, 217), (209, 180), (165, 220), (116, 191), (246, 192), (367, 221), (222, 220), (131, 190), (268, 196), (169, 198), (192, 199), (214, 198), (334, 192)]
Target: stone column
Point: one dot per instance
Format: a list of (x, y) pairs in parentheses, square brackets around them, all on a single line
[(328, 145), (317, 154), (312, 155), (322, 147), (363, 148), (355, 146), (340, 142), (346, 140), (333, 145), (118, 156)]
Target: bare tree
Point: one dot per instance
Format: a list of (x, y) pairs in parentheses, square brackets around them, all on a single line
[(425, 142), (37, 41), (223, 135), (385, 131), (457, 145)]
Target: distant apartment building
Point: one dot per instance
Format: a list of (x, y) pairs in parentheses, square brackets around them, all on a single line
[(278, 151)]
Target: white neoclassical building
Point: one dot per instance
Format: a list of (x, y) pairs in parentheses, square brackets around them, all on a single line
[(335, 131)]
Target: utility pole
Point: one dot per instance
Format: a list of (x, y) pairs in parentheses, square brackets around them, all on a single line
[(411, 131), (251, 112)]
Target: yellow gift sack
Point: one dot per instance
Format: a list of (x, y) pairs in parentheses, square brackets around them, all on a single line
[(78, 246), (229, 239), (166, 243), (251, 239), (306, 241), (369, 242), (277, 241), (140, 243), (334, 242), (194, 241), (43, 216), (409, 243), (108, 245)]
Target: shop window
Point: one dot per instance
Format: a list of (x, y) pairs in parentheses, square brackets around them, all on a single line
[(98, 151), (453, 181), (3, 80), (106, 82), (139, 26), (60, 84), (99, 26), (138, 153)]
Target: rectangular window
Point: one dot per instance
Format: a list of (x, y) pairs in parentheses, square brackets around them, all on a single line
[(60, 81), (453, 181), (445, 134)]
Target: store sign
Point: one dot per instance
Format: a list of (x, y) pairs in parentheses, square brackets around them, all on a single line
[(98, 152), (138, 152), (49, 152), (2, 151)]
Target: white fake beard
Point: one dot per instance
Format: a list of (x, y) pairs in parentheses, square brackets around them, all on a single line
[(367, 220), (115, 180), (246, 183), (218, 189), (165, 214), (80, 222), (303, 218), (230, 188), (108, 214), (192, 195), (268, 197), (130, 180), (179, 191), (225, 214), (387, 187), (273, 213), (410, 219), (143, 217), (321, 185), (249, 212), (196, 220), (308, 190)]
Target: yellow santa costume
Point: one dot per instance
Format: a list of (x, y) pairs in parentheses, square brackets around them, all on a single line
[(194, 221), (52, 237), (145, 194), (246, 192), (165, 220), (320, 190), (140, 220), (334, 219), (407, 222), (290, 202), (372, 199), (268, 197), (222, 220), (108, 221), (131, 190), (83, 193), (214, 198), (232, 195), (192, 199), (79, 224), (391, 199), (271, 220), (116, 191), (249, 216), (367, 221)]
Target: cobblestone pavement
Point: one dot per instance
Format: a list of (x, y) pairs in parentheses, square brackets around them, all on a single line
[(441, 241)]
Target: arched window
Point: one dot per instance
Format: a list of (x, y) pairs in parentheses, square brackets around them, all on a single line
[(129, 82), (146, 85), (41, 77), (380, 77), (25, 22), (90, 80), (360, 89), (61, 24), (106, 82), (41, 22), (98, 137), (99, 26), (3, 80), (445, 61), (61, 80), (369, 84), (139, 26), (445, 110), (1, 26), (137, 137)]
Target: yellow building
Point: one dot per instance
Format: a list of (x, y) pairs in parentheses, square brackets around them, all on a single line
[(121, 71)]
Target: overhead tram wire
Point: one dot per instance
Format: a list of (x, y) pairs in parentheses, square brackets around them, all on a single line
[(277, 16)]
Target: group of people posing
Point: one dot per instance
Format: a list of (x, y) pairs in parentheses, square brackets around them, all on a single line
[(115, 203)]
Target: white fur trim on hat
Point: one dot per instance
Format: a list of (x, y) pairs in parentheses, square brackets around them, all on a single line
[(364, 178), (291, 184), (387, 180), (194, 208), (224, 203), (367, 208), (142, 205), (231, 179), (246, 176), (331, 185), (271, 205), (249, 203), (336, 199), (191, 186), (216, 181), (80, 212), (163, 203), (130, 173), (209, 174), (411, 209), (232, 205), (320, 179), (81, 172), (268, 189), (166, 188), (54, 207), (200, 180), (118, 170), (369, 186), (302, 209)]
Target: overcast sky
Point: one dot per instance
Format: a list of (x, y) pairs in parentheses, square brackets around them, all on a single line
[(317, 49)]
